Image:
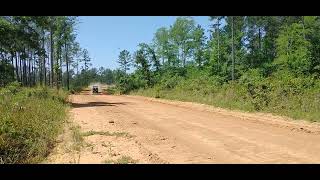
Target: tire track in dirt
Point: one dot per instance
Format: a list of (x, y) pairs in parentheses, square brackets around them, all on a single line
[(176, 132)]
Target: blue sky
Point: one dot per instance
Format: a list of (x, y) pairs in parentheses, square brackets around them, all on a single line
[(105, 36)]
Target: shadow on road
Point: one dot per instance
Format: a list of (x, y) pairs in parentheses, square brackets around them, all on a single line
[(92, 104)]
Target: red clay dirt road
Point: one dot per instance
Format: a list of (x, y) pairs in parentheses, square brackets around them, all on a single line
[(163, 131)]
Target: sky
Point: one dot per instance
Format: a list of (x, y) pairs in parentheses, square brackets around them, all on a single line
[(105, 36)]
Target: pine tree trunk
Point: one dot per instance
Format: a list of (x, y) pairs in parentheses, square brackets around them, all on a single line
[(218, 37), (49, 79), (60, 69), (67, 63), (61, 75), (20, 69), (232, 32), (44, 71), (29, 70), (24, 72), (259, 39), (40, 65), (32, 80), (12, 55), (57, 68), (34, 73), (17, 70), (43, 64), (51, 56)]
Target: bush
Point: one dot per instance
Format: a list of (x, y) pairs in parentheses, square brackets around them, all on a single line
[(76, 89), (169, 81), (111, 90), (30, 120), (282, 93), (6, 73), (257, 88)]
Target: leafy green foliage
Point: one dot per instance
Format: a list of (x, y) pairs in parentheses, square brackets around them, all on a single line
[(181, 34), (6, 73), (30, 120), (293, 49), (276, 64), (34, 49), (125, 60)]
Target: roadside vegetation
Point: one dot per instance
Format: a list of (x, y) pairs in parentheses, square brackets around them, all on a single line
[(297, 98), (252, 63), (122, 160), (30, 121), (106, 133), (77, 138), (39, 61)]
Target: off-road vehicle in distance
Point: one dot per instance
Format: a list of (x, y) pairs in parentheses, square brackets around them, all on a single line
[(95, 90)]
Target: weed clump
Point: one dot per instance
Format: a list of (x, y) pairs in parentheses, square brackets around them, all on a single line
[(30, 120)]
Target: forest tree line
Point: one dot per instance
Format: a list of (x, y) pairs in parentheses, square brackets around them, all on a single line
[(42, 50), (236, 45), (264, 63)]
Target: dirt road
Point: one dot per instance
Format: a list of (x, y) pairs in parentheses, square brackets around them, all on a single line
[(160, 131)]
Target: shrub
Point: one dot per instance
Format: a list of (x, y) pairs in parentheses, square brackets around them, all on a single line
[(283, 93), (30, 120)]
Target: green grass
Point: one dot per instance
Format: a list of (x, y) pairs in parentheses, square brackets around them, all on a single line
[(222, 99), (292, 97), (111, 90), (77, 138), (30, 121), (106, 133), (122, 160)]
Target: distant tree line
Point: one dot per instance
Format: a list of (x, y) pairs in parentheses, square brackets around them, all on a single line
[(236, 45), (252, 63), (40, 50)]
